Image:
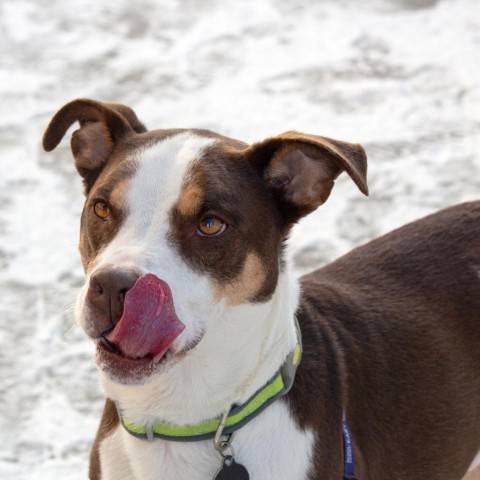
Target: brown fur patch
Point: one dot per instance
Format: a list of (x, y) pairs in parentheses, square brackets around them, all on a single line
[(247, 285), (88, 261), (118, 194), (390, 338), (111, 187), (115, 194), (223, 183), (107, 424), (190, 199)]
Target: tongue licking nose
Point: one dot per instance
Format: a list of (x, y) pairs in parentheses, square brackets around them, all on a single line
[(149, 324)]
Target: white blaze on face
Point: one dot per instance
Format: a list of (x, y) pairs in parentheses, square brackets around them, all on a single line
[(142, 242), (157, 184)]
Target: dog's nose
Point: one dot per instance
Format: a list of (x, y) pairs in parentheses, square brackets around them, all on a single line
[(107, 291)]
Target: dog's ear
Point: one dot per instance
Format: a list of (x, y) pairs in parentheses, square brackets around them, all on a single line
[(102, 125), (301, 169)]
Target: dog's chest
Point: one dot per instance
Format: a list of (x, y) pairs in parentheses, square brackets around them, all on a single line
[(271, 447)]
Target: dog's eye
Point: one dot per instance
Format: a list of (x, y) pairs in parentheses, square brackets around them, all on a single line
[(101, 209), (211, 225)]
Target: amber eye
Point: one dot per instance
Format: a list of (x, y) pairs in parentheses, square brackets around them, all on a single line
[(101, 209), (211, 225)]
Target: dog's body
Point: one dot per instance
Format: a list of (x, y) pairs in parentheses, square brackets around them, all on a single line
[(391, 331)]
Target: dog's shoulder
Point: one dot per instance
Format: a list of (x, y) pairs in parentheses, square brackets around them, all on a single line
[(425, 273)]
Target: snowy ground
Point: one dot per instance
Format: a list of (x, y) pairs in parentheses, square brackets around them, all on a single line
[(400, 76)]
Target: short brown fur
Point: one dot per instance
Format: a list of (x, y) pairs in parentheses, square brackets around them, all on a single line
[(108, 423), (391, 337), (247, 285), (190, 199)]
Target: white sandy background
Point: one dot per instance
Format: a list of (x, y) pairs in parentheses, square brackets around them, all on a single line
[(401, 77)]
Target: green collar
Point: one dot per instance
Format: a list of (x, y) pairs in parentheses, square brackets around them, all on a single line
[(238, 416)]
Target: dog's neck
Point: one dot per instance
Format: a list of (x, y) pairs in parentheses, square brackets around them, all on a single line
[(218, 372)]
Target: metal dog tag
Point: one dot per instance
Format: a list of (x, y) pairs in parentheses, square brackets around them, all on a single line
[(230, 470)]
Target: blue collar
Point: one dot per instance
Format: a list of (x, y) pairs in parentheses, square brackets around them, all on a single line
[(348, 459)]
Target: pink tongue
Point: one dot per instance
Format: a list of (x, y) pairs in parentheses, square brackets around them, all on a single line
[(149, 324)]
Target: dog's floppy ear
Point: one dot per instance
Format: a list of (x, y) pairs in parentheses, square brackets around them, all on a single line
[(301, 169), (102, 125)]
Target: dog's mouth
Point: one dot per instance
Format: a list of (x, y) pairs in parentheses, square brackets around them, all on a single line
[(140, 341), (112, 347), (130, 371)]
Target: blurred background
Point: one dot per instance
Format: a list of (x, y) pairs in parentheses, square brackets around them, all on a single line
[(402, 77)]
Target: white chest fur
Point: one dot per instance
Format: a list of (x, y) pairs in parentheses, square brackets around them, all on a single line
[(271, 446)]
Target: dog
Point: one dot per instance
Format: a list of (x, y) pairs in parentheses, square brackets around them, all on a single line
[(217, 362)]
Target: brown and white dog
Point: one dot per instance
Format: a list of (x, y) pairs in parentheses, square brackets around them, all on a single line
[(391, 331)]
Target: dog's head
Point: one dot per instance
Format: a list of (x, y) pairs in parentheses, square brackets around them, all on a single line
[(182, 231)]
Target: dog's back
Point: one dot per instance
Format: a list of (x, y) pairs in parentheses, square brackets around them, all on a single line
[(402, 315)]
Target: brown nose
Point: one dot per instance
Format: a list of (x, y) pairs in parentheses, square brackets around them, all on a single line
[(107, 291)]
